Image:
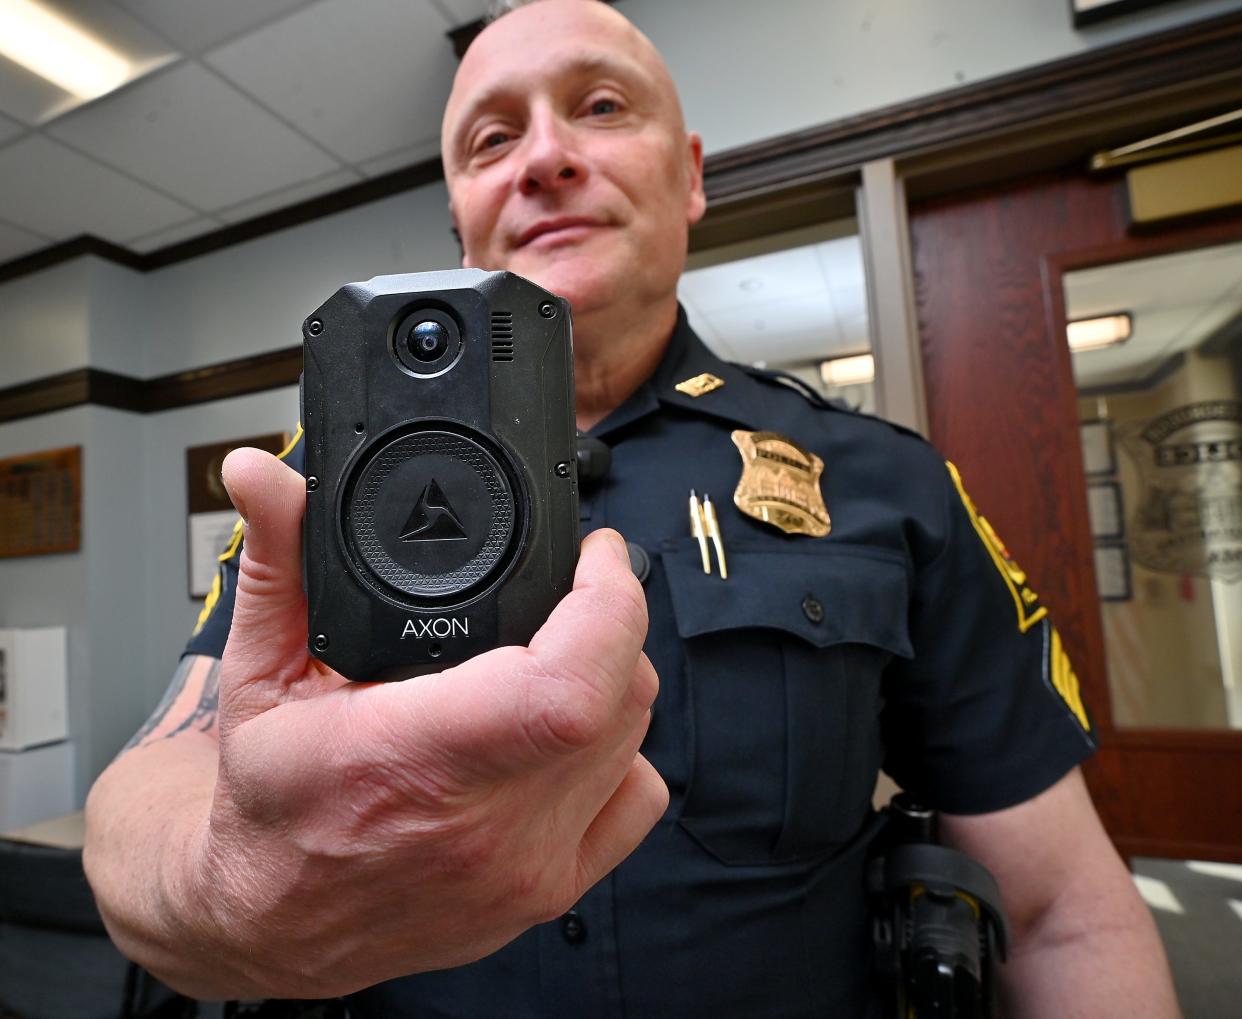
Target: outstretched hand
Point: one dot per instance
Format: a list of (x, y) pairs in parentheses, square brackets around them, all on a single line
[(360, 832)]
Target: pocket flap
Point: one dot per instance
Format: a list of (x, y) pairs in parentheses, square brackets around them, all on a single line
[(825, 594)]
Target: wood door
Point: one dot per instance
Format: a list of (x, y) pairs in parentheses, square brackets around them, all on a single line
[(1002, 405)]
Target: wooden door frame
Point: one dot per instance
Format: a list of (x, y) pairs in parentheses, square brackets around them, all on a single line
[(1056, 266)]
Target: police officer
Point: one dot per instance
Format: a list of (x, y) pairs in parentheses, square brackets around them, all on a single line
[(850, 609)]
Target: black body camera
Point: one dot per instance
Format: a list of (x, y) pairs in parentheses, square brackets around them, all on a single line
[(442, 500)]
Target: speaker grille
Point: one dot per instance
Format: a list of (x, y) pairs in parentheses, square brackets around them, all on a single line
[(502, 336)]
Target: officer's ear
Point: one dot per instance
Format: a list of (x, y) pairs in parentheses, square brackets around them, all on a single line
[(696, 198)]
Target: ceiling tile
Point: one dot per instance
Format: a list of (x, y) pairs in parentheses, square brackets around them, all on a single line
[(748, 282), (25, 96), (429, 148), (289, 196), (195, 26), (9, 129), (173, 235), (52, 190), (34, 100), (15, 242), (388, 95), (193, 135), (781, 331)]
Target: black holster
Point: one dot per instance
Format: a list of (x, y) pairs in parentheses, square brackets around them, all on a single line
[(937, 922)]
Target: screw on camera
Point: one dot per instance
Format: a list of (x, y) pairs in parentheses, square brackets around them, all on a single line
[(315, 327), (547, 309), (312, 483), (321, 642)]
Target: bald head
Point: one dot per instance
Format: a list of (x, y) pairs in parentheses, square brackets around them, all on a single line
[(524, 32), (568, 162)]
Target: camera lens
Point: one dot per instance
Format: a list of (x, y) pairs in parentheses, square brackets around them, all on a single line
[(427, 340)]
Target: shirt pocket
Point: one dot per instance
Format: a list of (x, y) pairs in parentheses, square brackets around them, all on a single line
[(783, 667)]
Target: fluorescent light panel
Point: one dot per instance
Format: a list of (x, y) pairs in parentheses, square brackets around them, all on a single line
[(848, 371), (45, 43), (1098, 333)]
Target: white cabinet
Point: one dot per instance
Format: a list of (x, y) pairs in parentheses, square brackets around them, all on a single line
[(32, 687)]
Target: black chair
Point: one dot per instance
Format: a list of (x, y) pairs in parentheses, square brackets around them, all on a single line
[(56, 960)]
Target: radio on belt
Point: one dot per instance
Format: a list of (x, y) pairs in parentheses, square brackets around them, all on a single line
[(441, 482)]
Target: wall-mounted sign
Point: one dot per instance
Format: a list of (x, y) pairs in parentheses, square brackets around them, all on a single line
[(211, 513), (41, 503), (1189, 514)]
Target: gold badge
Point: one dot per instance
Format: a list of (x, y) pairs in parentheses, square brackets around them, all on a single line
[(699, 385), (780, 484)]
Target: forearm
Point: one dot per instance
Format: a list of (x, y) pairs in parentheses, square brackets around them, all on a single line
[(1083, 942), (145, 819), (1112, 966), (146, 825)]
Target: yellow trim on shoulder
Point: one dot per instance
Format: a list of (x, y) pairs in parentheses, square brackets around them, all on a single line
[(209, 603), (235, 540), (1066, 682), (1024, 598), (292, 442)]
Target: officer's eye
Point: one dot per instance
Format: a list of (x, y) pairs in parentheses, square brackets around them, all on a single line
[(490, 141), (603, 107)]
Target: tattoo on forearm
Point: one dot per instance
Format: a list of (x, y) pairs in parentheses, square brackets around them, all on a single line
[(202, 717)]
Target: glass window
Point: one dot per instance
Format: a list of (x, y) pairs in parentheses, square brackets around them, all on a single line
[(1158, 367)]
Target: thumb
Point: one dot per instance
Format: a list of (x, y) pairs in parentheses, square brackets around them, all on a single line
[(266, 649)]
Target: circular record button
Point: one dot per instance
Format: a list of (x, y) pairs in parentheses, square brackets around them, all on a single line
[(430, 514)]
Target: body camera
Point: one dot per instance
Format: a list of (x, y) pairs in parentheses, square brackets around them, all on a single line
[(442, 502)]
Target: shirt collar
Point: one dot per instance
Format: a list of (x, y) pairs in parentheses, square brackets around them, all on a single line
[(738, 401)]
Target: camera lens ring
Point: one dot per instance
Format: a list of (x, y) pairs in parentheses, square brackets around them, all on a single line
[(426, 342)]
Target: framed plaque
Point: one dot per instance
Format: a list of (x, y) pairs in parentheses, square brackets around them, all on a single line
[(1104, 509), (41, 503), (1097, 448), (211, 513), (1112, 572)]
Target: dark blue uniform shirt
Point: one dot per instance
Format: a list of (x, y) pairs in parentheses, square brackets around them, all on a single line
[(906, 639)]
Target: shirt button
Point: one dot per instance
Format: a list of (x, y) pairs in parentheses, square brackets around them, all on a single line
[(813, 609), (573, 927)]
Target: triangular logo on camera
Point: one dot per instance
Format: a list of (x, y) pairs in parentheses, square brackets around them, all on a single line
[(432, 518)]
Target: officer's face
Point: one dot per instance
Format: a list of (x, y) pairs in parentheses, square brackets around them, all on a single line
[(566, 157)]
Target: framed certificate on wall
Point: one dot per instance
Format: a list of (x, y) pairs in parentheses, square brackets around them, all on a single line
[(211, 515)]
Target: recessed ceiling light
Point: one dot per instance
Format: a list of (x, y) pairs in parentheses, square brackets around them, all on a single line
[(848, 371), (52, 47), (1098, 333)]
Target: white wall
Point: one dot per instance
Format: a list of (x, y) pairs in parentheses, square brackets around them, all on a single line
[(98, 592), (747, 71), (43, 323), (254, 296)]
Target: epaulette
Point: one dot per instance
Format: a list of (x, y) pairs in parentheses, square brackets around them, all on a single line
[(817, 399), (813, 396)]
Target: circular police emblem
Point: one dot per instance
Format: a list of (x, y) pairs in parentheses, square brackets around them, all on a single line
[(1188, 518)]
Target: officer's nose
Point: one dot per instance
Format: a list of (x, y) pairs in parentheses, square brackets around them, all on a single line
[(552, 160)]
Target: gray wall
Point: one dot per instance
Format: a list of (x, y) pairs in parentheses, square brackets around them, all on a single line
[(750, 70), (747, 71), (124, 596)]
